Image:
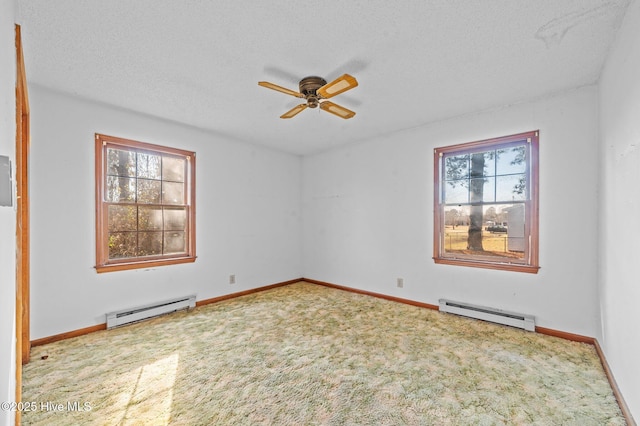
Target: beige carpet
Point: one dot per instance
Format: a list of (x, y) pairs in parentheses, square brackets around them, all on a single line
[(306, 354)]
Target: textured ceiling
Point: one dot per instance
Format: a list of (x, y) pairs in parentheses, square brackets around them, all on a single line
[(198, 62)]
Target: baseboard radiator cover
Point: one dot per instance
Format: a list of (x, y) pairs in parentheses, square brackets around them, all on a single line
[(524, 321), (140, 313)]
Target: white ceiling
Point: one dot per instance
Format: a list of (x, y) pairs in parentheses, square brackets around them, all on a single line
[(199, 61)]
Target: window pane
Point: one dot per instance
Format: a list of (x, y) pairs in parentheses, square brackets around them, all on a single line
[(502, 231), (175, 219), (150, 218), (121, 189), (149, 243), (173, 169), (510, 188), (148, 166), (456, 167), (456, 229), (456, 216), (489, 163), (482, 190), (122, 244), (456, 191), (172, 193), (511, 160), (122, 218), (149, 191), (174, 242), (121, 163), (516, 241), (481, 164)]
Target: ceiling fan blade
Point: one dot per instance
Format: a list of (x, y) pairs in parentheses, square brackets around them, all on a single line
[(280, 89), (338, 110), (294, 111), (337, 86)]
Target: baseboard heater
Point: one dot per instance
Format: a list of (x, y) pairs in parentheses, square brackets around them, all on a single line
[(131, 315), (526, 322)]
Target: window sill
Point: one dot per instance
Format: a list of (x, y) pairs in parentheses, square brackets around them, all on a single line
[(142, 264), (514, 267)]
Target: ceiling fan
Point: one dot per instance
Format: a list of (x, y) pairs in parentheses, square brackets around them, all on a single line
[(314, 90)]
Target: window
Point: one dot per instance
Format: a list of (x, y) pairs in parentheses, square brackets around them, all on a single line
[(145, 205), (486, 203)]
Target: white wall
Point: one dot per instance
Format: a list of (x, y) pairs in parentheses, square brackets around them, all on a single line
[(248, 215), (368, 215), (620, 208), (7, 214)]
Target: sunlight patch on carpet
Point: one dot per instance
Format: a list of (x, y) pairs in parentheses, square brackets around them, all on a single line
[(147, 392)]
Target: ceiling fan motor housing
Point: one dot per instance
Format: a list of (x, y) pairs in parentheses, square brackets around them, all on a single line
[(309, 86), (314, 89)]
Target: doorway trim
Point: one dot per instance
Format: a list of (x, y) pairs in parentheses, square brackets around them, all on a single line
[(23, 343)]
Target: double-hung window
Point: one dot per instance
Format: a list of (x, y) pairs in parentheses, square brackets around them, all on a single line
[(486, 203), (145, 205)]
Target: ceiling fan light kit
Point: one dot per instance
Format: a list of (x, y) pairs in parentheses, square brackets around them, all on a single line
[(314, 89)]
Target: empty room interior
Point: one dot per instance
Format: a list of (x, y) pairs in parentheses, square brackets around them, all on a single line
[(484, 154)]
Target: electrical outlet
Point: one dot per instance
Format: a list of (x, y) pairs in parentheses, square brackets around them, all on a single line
[(400, 282), (232, 279)]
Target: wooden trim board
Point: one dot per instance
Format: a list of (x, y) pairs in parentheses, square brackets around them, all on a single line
[(245, 292), (370, 293), (22, 304), (614, 386), (565, 335), (68, 334)]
